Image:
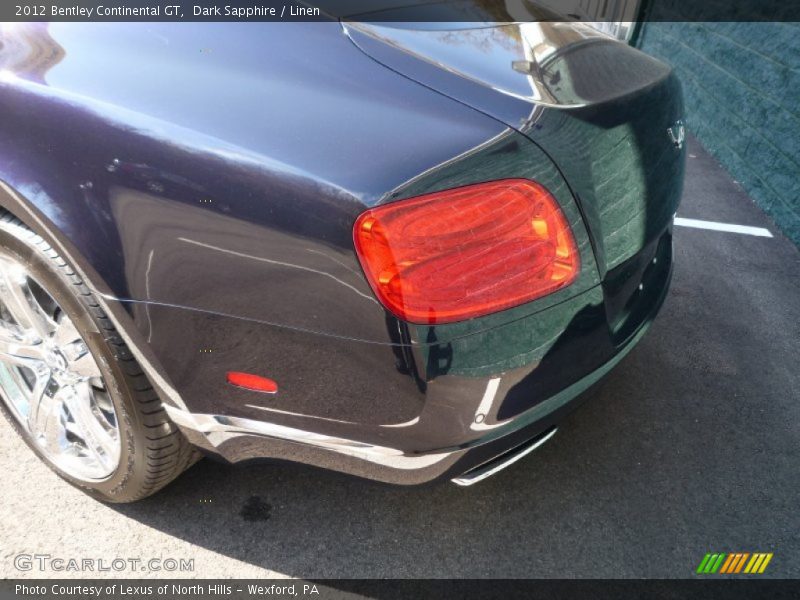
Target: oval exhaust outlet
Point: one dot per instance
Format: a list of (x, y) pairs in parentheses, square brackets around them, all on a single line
[(497, 464)]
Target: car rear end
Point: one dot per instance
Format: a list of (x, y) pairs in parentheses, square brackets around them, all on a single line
[(429, 238), (403, 254), (609, 118), (514, 275)]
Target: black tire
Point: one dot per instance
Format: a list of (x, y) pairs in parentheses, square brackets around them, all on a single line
[(153, 450)]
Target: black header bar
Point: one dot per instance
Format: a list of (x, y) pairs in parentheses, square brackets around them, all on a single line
[(488, 11), (327, 589)]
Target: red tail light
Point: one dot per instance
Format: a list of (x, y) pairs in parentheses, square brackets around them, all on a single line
[(466, 252)]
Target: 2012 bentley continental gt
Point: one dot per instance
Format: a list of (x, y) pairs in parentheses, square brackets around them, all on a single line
[(396, 250)]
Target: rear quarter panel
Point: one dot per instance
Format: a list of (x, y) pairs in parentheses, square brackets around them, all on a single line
[(210, 176)]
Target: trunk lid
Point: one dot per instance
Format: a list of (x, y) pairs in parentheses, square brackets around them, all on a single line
[(607, 114)]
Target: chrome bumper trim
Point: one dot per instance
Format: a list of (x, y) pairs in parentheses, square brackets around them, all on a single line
[(493, 466), (218, 429), (215, 430)]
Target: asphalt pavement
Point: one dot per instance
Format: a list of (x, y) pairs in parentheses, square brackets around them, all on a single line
[(691, 445)]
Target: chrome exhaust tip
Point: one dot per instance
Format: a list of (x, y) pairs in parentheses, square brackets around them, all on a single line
[(498, 463)]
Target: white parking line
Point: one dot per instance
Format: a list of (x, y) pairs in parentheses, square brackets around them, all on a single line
[(746, 229)]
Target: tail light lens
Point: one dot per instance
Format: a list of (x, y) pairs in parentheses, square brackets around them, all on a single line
[(466, 252)]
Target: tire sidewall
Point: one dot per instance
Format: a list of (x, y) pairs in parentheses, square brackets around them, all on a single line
[(53, 278)]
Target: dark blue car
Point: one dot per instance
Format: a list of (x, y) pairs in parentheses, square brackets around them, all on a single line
[(399, 251)]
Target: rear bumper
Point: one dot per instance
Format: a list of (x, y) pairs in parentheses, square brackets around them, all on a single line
[(237, 439), (506, 418)]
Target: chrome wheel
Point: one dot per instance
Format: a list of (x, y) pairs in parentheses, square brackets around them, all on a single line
[(50, 381)]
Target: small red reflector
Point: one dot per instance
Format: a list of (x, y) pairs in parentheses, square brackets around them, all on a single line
[(466, 252), (252, 382)]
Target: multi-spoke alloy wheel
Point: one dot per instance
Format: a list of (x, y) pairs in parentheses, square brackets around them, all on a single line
[(51, 381), (70, 385)]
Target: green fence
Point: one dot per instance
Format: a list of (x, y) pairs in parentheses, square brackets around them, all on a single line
[(742, 89)]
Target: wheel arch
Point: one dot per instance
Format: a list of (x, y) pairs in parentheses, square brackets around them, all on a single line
[(16, 203)]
